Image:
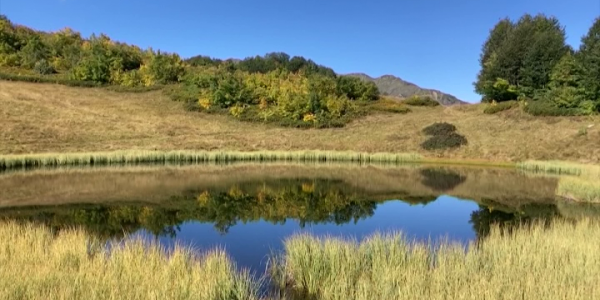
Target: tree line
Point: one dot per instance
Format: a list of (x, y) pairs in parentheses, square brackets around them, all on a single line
[(272, 88), (529, 60)]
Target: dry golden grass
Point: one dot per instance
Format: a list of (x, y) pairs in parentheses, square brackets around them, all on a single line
[(36, 264), (561, 262), (41, 118)]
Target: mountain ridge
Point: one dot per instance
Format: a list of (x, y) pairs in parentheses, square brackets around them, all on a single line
[(391, 85)]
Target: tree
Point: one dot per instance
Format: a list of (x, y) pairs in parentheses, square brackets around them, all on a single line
[(489, 68), (589, 56), (545, 46), (523, 54), (566, 86), (33, 51)]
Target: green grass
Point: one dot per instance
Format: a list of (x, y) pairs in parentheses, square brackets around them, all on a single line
[(139, 156), (36, 264), (561, 262)]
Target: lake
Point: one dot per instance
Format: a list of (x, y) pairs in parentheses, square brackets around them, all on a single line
[(250, 209)]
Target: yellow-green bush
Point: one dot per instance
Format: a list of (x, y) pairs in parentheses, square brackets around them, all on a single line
[(495, 107)]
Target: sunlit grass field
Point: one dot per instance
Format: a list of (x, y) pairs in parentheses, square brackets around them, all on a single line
[(50, 118), (36, 264)]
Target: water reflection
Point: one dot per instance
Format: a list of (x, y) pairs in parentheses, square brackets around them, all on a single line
[(249, 210)]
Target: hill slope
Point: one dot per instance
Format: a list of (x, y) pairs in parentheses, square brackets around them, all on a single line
[(53, 118), (393, 86)]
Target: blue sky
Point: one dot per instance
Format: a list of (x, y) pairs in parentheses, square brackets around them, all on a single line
[(432, 43)]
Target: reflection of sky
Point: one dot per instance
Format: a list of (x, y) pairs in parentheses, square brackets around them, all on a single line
[(250, 244)]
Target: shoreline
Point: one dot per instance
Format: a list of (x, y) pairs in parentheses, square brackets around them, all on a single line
[(150, 157)]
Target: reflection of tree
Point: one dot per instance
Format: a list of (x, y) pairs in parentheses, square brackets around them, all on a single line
[(309, 202), (441, 180), (485, 218)]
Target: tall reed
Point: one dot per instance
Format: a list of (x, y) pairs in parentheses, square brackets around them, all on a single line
[(142, 156), (561, 262), (560, 168), (35, 264)]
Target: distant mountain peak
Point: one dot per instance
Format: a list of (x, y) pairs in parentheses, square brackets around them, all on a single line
[(391, 85)]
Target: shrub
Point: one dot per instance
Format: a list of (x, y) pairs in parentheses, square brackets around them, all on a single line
[(163, 68), (439, 129), (40, 79), (451, 140), (91, 69), (421, 101), (43, 67), (498, 107), (548, 108), (389, 106), (443, 136)]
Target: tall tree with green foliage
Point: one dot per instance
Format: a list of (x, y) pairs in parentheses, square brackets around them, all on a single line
[(517, 59), (490, 71), (566, 89), (545, 46), (589, 55)]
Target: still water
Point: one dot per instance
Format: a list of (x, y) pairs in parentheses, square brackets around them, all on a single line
[(249, 210)]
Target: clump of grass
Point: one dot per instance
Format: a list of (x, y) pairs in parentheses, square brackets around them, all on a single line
[(71, 265), (141, 156), (498, 107), (518, 265), (560, 168), (579, 189), (388, 105), (578, 210)]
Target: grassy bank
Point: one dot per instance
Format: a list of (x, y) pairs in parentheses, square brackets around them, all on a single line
[(140, 156), (38, 118), (561, 262), (41, 265), (579, 182)]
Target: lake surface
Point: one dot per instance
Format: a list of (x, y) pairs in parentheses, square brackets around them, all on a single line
[(249, 210)]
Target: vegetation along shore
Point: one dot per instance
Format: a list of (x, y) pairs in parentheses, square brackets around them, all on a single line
[(503, 266)]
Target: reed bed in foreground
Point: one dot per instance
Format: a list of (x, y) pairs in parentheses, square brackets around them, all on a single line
[(38, 265), (577, 210), (560, 262), (140, 156)]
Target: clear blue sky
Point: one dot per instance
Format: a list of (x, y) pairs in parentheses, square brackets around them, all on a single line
[(433, 43)]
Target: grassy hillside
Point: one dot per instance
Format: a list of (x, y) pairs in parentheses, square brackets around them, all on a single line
[(53, 118)]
